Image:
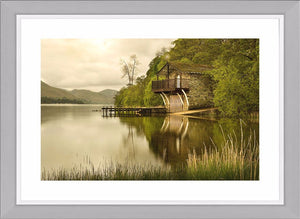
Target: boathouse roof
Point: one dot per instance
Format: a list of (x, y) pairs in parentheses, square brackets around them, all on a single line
[(177, 67)]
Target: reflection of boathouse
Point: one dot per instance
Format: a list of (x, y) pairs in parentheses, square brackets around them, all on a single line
[(180, 136), (171, 143), (183, 86), (169, 138)]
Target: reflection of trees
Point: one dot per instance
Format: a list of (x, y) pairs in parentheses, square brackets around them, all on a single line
[(144, 126), (172, 138), (233, 127), (139, 126), (128, 142)]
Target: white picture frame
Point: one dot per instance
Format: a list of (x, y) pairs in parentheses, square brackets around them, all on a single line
[(9, 207)]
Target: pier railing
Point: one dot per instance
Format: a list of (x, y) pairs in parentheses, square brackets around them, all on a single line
[(109, 111), (170, 85)]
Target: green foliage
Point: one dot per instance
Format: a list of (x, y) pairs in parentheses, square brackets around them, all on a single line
[(200, 51), (132, 95), (140, 94), (234, 69), (236, 72), (150, 98)]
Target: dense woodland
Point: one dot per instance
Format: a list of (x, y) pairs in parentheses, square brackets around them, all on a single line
[(235, 72)]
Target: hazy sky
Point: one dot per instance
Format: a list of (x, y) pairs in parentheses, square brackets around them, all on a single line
[(94, 64)]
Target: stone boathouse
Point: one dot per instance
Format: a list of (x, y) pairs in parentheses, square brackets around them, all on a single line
[(184, 86)]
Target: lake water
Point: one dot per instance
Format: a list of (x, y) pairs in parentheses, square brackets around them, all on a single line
[(75, 134)]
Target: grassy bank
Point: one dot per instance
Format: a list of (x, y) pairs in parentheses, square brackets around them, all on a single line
[(235, 159)]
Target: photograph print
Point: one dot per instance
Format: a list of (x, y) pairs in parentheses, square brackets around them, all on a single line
[(150, 109)]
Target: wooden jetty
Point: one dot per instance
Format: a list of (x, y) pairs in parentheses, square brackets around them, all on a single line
[(109, 111)]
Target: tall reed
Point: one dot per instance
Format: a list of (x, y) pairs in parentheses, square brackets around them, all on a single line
[(235, 159), (109, 171)]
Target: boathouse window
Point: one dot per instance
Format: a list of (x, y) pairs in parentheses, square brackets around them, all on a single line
[(178, 81)]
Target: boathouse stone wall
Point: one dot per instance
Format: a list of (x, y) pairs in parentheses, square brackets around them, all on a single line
[(200, 94)]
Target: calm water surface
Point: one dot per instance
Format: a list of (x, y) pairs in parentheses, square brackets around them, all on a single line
[(74, 134)]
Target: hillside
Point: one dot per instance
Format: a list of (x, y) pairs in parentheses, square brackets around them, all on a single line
[(105, 96), (108, 93), (51, 94)]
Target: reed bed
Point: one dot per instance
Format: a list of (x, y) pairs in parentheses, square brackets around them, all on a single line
[(113, 171), (235, 159)]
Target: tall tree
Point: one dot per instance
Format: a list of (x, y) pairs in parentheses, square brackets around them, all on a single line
[(129, 68)]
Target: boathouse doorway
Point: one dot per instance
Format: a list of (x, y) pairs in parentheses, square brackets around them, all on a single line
[(178, 81)]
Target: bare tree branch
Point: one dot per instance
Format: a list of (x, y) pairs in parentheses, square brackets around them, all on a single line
[(129, 69)]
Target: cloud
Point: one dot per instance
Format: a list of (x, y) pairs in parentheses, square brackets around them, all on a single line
[(94, 63)]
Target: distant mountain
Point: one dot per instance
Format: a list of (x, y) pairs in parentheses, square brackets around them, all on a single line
[(54, 94), (105, 96), (108, 93)]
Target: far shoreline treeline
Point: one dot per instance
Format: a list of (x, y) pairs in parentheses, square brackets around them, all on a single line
[(49, 100)]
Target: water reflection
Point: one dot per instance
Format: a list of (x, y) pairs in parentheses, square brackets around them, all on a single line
[(170, 143), (172, 138), (71, 133)]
